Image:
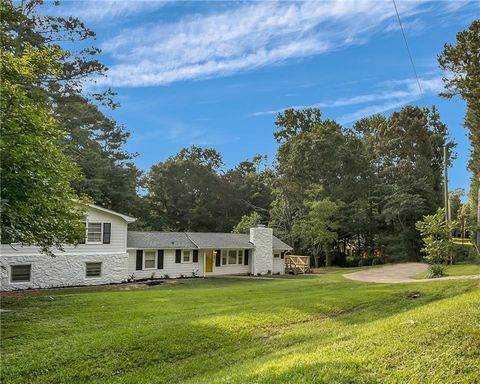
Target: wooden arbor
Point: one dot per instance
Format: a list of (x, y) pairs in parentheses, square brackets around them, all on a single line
[(297, 264)]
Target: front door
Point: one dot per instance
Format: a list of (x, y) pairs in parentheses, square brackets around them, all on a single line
[(209, 261)]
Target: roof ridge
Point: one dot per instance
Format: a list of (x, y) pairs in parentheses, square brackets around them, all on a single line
[(188, 237)]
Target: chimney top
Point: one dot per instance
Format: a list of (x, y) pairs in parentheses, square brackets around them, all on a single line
[(260, 225)]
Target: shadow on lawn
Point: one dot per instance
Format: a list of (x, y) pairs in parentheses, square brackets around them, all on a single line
[(209, 331)]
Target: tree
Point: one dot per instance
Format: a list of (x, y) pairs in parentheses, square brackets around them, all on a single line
[(408, 147), (38, 204), (247, 187), (247, 222), (463, 216), (438, 241), (183, 192), (317, 229), (94, 141), (455, 200), (462, 64)]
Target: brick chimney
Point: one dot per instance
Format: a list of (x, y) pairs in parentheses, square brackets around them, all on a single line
[(262, 238)]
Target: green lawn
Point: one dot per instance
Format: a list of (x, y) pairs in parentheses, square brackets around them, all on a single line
[(454, 270), (304, 329)]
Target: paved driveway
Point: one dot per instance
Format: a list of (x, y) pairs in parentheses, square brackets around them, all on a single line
[(398, 273)]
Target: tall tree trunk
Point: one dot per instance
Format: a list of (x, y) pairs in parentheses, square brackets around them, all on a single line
[(478, 216)]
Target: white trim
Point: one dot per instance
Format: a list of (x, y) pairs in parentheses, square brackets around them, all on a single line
[(101, 232), (128, 219), (227, 251), (190, 258), (155, 252)]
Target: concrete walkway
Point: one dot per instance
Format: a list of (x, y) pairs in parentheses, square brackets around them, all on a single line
[(399, 273)]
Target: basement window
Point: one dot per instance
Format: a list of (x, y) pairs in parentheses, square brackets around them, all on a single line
[(21, 273), (93, 269)]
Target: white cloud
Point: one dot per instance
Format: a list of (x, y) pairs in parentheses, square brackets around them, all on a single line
[(398, 98), (249, 36), (393, 94), (95, 11)]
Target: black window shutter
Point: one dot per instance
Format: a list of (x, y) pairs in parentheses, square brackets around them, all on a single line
[(82, 241), (218, 258), (107, 230), (245, 258), (178, 256), (139, 265), (195, 255), (282, 255), (160, 259)]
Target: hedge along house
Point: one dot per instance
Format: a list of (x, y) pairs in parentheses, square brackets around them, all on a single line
[(112, 254)]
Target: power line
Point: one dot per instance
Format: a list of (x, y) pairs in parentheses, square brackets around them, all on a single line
[(408, 48)]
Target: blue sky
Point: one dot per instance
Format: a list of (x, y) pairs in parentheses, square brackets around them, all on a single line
[(215, 74)]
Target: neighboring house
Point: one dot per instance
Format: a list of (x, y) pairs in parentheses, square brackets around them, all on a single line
[(112, 254)]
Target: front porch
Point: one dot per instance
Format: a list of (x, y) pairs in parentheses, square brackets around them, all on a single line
[(226, 261)]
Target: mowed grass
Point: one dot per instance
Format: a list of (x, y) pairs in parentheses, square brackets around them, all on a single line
[(454, 270), (304, 329)]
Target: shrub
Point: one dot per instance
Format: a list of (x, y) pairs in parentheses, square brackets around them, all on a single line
[(378, 261), (364, 262), (436, 270), (465, 253), (350, 261)]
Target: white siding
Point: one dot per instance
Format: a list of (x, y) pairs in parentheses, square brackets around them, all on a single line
[(278, 263), (64, 270), (67, 268), (230, 269), (170, 268), (118, 239), (235, 269)]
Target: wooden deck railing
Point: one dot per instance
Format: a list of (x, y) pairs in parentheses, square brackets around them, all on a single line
[(297, 264)]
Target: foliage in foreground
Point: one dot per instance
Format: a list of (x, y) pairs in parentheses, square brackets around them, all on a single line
[(438, 241), (320, 329), (38, 204), (461, 62)]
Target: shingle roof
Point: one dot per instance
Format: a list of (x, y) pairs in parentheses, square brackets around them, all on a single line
[(193, 240), (220, 240), (160, 240), (279, 244)]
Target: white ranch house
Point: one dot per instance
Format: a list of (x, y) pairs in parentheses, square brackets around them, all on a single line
[(113, 254)]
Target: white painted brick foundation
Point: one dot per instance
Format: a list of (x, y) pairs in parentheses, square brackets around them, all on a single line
[(64, 270)]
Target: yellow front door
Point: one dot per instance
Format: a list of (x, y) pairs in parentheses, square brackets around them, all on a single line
[(209, 261)]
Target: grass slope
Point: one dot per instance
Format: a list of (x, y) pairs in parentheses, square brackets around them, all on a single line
[(454, 270), (311, 329)]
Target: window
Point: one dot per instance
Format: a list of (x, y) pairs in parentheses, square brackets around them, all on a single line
[(276, 255), (232, 257), (94, 232), (21, 273), (240, 257), (93, 269), (149, 260), (186, 256), (224, 257)]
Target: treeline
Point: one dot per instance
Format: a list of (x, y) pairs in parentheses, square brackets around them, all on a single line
[(333, 191)]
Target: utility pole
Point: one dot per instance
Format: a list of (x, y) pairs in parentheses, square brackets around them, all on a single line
[(445, 183)]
